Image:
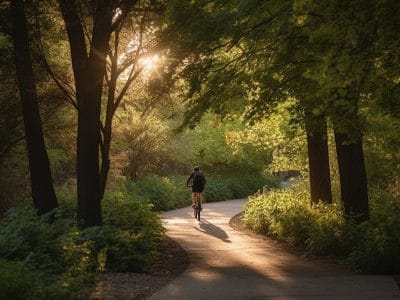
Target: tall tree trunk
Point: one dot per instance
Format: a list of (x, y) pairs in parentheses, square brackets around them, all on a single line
[(107, 130), (105, 158), (89, 71), (353, 178), (350, 155), (318, 159), (44, 197)]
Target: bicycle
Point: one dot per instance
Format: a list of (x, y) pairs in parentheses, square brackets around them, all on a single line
[(197, 206)]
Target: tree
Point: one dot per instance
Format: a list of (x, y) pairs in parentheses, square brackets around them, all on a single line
[(89, 63), (341, 49), (89, 71), (133, 49), (318, 157), (43, 194), (262, 65)]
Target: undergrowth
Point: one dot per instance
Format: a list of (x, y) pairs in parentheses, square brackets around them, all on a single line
[(372, 246), (43, 260), (165, 193)]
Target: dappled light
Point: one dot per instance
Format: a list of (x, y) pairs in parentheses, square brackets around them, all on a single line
[(117, 14), (149, 62)]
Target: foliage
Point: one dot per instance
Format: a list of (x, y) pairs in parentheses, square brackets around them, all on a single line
[(129, 237), (284, 214), (209, 145), (379, 246), (141, 144), (372, 246), (150, 145), (63, 259), (47, 248), (279, 135), (161, 192), (381, 143), (235, 186), (165, 193), (17, 283)]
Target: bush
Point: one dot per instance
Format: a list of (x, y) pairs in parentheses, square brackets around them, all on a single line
[(133, 232), (161, 192), (31, 238), (217, 189), (372, 246), (62, 259), (17, 283), (281, 213), (235, 186), (330, 233), (166, 193), (379, 245), (49, 249)]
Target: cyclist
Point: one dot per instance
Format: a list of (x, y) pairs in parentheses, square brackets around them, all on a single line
[(198, 183)]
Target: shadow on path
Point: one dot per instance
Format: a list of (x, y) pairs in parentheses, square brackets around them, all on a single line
[(242, 266), (210, 229)]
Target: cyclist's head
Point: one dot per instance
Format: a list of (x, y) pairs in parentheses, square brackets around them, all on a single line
[(196, 168)]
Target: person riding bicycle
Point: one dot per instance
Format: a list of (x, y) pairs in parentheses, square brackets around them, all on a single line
[(198, 183)]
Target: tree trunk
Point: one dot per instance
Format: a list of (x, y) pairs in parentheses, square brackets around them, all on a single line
[(89, 71), (105, 161), (318, 159), (44, 197), (353, 178), (107, 131), (87, 164)]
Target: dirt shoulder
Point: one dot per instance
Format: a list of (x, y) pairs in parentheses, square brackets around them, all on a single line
[(172, 262)]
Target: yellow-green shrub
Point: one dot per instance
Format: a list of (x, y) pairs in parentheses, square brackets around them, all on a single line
[(372, 246)]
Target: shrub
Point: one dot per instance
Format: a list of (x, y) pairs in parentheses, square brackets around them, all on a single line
[(62, 259), (17, 283), (133, 231), (372, 246), (379, 245), (32, 239), (234, 186), (281, 213), (166, 193), (330, 233), (217, 189), (48, 249), (288, 215), (161, 192)]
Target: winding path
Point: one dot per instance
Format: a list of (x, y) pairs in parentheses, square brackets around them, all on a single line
[(228, 264)]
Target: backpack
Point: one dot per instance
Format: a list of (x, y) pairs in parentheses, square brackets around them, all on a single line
[(198, 179)]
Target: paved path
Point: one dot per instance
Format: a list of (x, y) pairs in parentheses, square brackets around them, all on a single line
[(227, 264)]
